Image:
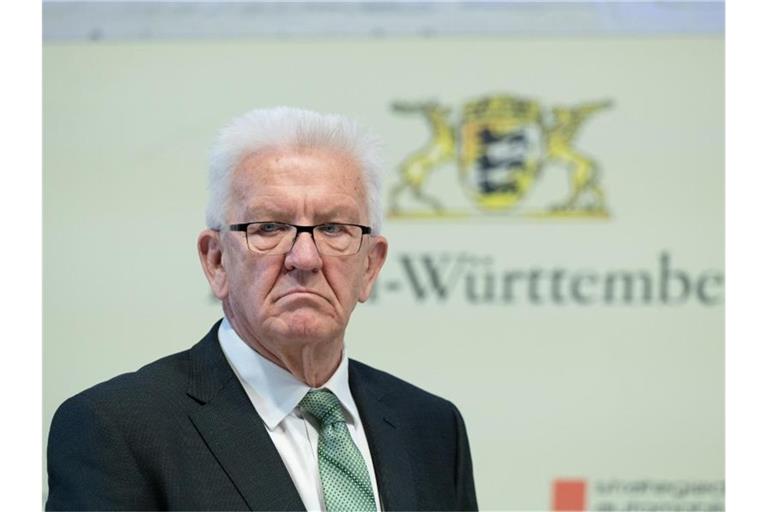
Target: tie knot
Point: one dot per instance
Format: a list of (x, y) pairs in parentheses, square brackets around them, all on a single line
[(324, 406)]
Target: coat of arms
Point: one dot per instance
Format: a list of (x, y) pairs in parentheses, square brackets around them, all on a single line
[(500, 145)]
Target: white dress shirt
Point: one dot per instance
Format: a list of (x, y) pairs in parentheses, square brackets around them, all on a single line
[(275, 394)]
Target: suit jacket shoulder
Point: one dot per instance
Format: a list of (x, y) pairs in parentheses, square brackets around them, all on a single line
[(419, 443), (179, 433)]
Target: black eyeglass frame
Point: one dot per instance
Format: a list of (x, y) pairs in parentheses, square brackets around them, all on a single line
[(243, 226)]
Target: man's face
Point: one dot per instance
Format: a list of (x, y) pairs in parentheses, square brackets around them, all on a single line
[(281, 302)]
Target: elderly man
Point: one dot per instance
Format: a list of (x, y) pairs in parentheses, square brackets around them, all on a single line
[(266, 412)]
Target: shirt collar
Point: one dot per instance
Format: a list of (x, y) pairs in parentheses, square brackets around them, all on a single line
[(274, 391)]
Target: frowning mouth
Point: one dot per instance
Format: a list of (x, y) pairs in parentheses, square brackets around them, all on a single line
[(300, 292)]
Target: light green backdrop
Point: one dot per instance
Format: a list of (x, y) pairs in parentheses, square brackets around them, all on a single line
[(599, 392)]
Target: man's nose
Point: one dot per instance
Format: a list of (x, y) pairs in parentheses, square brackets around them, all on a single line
[(303, 255)]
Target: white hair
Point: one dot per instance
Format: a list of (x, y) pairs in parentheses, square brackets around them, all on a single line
[(278, 127)]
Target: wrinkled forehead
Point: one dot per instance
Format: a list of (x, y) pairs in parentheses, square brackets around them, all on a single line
[(281, 180)]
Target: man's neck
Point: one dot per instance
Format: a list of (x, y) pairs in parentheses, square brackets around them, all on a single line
[(312, 363)]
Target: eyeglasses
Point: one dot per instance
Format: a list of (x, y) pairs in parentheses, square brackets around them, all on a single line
[(331, 239)]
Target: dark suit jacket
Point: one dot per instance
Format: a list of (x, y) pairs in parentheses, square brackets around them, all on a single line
[(181, 433)]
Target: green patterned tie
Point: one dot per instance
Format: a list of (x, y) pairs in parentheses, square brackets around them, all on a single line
[(346, 484)]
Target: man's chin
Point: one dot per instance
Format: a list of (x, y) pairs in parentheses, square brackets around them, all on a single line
[(306, 325)]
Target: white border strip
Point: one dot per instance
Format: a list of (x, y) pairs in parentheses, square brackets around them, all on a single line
[(81, 21)]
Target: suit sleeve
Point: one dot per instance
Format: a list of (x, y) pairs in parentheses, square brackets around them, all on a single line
[(463, 476), (90, 464)]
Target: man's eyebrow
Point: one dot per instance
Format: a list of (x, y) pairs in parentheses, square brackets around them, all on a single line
[(265, 212), (337, 213)]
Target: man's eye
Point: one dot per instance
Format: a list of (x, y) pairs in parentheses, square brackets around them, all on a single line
[(331, 229), (269, 228)]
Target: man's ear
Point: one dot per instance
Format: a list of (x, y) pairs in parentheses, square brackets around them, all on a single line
[(377, 253), (210, 252)]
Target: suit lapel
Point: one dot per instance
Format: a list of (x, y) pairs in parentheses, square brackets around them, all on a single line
[(234, 432), (383, 429)]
